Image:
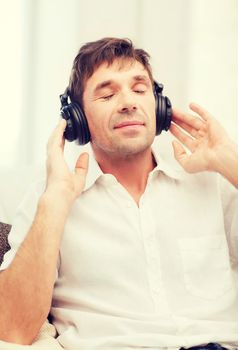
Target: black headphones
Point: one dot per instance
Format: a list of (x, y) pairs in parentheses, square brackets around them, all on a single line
[(77, 125)]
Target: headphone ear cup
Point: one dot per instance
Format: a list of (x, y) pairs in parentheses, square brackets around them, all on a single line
[(159, 114), (70, 130), (77, 125), (80, 123), (163, 113)]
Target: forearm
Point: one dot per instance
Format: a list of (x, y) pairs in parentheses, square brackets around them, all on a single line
[(27, 285), (226, 162)]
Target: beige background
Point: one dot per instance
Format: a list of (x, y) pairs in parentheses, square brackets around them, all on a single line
[(193, 44)]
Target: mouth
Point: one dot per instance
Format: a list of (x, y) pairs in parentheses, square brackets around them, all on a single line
[(129, 124)]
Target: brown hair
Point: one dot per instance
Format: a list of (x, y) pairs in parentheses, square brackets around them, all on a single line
[(93, 54)]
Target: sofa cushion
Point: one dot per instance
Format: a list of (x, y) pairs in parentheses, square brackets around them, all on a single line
[(4, 246)]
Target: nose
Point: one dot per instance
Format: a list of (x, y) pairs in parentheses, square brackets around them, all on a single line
[(129, 108), (127, 105)]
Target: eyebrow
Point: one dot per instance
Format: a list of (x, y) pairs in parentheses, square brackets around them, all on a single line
[(142, 78), (103, 85), (106, 83)]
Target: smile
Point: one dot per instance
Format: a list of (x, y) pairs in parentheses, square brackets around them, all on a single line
[(129, 123)]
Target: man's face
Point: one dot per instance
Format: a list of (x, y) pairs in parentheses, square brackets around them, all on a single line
[(119, 105)]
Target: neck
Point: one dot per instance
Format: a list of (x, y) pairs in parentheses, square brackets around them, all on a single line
[(130, 171)]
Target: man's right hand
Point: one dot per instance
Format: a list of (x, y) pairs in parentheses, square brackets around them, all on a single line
[(27, 284), (59, 178)]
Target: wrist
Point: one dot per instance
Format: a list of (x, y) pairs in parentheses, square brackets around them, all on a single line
[(226, 162), (58, 199), (222, 156)]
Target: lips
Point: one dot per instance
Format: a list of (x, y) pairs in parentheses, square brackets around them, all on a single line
[(128, 123)]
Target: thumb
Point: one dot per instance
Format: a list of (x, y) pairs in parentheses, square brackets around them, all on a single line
[(180, 153), (81, 166)]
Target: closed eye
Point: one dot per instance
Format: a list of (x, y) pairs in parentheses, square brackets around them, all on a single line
[(108, 97), (139, 91), (140, 87)]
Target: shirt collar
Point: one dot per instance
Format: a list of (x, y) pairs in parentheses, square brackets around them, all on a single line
[(168, 166), (94, 170)]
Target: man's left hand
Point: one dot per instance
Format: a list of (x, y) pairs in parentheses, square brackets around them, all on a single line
[(203, 137), (209, 147)]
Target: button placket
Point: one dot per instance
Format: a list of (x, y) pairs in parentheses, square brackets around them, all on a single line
[(149, 240)]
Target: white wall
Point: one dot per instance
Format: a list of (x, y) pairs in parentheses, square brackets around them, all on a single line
[(193, 44), (10, 79), (213, 59)]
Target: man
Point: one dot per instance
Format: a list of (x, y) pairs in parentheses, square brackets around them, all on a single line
[(145, 252)]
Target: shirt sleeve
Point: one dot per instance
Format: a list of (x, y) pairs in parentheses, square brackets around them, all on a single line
[(229, 197), (22, 221)]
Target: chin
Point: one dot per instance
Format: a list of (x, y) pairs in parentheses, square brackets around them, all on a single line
[(118, 147), (133, 147)]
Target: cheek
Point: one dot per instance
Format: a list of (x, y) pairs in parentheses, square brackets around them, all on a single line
[(97, 123), (151, 109)]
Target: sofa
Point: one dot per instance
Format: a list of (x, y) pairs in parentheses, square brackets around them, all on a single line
[(13, 184), (4, 246)]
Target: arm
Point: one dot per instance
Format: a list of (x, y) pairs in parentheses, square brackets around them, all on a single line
[(210, 147), (27, 284)]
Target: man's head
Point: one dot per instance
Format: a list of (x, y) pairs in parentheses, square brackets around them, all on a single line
[(113, 83), (93, 54)]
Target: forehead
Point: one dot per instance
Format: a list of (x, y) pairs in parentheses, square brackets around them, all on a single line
[(118, 71)]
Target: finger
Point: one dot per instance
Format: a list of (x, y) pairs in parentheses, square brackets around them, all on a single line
[(58, 131), (196, 133), (204, 114), (56, 138), (187, 140), (62, 143), (187, 118)]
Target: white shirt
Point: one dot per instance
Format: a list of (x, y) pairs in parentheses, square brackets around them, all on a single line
[(163, 274)]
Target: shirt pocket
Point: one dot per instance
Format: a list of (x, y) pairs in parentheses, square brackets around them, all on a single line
[(206, 265)]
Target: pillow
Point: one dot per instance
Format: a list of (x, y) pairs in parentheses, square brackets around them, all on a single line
[(4, 246)]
